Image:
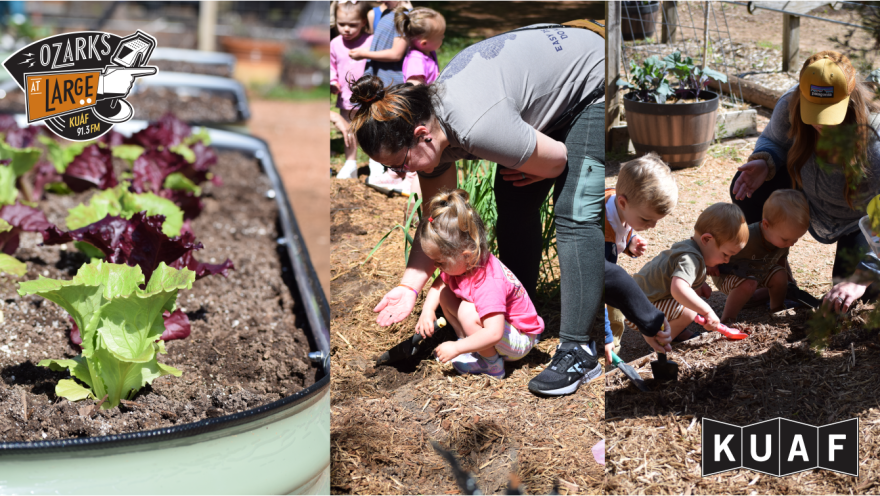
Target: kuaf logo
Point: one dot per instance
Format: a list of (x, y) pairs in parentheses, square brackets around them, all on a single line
[(77, 82), (780, 447)]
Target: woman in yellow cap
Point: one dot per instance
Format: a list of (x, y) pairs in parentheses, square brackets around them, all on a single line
[(786, 156)]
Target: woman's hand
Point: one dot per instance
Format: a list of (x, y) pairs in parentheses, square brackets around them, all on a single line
[(655, 344), (842, 296), (425, 325), (447, 351), (395, 306), (518, 178), (753, 175)]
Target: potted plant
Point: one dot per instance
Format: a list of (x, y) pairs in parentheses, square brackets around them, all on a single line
[(674, 119), (638, 19)]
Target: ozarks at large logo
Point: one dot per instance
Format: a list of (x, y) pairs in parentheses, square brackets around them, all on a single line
[(77, 82)]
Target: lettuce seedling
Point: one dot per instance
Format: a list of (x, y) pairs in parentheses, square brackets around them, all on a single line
[(8, 263), (17, 137), (120, 324), (120, 202), (139, 241), (21, 218)]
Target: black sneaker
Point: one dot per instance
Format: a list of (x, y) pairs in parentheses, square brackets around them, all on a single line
[(571, 366)]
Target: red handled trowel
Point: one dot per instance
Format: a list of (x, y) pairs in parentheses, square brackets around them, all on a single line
[(728, 332)]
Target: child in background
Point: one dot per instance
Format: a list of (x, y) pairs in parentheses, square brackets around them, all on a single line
[(486, 304), (675, 280), (759, 269), (645, 193), (386, 40), (424, 30), (351, 22)]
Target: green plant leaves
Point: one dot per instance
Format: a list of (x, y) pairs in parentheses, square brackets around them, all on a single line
[(176, 180), (60, 156), (129, 153), (119, 323), (120, 202), (12, 265)]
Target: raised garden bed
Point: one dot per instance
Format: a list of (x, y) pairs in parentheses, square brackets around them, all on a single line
[(193, 61), (246, 367)]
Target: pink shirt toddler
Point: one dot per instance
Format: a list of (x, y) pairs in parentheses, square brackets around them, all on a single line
[(494, 289), (343, 67), (416, 63)]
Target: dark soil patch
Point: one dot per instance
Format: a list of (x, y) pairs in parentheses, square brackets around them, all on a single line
[(246, 348), (189, 104)]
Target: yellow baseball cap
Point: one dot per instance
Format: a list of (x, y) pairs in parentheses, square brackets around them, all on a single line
[(825, 89)]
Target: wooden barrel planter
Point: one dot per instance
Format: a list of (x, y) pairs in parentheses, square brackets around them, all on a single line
[(680, 133), (638, 20)]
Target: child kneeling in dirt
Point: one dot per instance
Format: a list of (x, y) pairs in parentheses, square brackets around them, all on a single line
[(675, 280), (645, 193), (487, 306), (759, 269)]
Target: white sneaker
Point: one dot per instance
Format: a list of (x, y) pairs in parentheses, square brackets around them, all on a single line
[(387, 179), (348, 171)]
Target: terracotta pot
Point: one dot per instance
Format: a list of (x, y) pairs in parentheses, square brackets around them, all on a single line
[(680, 133)]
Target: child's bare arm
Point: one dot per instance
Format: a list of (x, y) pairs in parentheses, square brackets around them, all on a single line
[(683, 293), (490, 335), (393, 54), (425, 326)]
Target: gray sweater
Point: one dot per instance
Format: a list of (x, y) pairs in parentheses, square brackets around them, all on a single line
[(830, 215)]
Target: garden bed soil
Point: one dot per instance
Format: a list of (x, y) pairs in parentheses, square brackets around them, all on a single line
[(383, 418), (653, 443), (188, 104), (246, 348)]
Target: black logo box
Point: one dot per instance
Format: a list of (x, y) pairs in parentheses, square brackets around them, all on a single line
[(780, 447)]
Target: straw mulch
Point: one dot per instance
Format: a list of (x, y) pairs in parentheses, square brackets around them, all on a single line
[(653, 444), (383, 418)]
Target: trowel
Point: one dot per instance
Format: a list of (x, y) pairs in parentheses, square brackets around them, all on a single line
[(628, 371), (728, 332), (663, 369), (407, 349)]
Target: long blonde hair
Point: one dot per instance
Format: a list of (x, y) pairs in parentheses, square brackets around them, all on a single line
[(805, 137), (453, 226)]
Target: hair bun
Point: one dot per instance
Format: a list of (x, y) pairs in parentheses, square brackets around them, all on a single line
[(366, 90)]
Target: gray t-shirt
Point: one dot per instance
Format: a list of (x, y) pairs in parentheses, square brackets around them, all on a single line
[(684, 260), (494, 94), (830, 215)]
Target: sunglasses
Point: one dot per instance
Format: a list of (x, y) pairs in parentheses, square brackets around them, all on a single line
[(401, 169)]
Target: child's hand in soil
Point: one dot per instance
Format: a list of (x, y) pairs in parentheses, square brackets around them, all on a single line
[(713, 271), (334, 89), (447, 351), (425, 326), (637, 246), (705, 290)]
